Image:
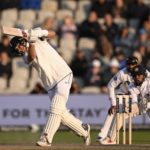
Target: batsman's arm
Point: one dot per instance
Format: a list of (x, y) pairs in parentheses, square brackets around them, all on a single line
[(51, 34), (34, 34), (31, 54)]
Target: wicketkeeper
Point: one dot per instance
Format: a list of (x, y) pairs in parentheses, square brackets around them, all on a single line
[(56, 77)]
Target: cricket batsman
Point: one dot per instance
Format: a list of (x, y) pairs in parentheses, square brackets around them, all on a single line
[(56, 77), (117, 85)]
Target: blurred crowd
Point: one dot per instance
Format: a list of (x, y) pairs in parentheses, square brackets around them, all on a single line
[(93, 36)]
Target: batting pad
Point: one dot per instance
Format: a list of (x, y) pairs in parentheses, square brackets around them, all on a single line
[(107, 126), (135, 112), (113, 133), (73, 123), (51, 126), (54, 119)]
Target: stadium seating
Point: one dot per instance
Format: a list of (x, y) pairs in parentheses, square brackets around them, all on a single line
[(90, 90), (20, 76), (86, 44), (24, 24), (43, 14), (84, 5), (62, 13), (7, 23), (3, 84), (49, 5), (30, 4), (70, 5), (32, 13), (80, 15), (28, 15), (67, 48), (10, 14)]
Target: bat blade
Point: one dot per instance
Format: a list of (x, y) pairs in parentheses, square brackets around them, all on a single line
[(12, 31)]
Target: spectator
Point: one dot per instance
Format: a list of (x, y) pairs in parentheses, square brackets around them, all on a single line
[(139, 11), (68, 29), (38, 89), (144, 54), (147, 27), (142, 39), (5, 67), (119, 13), (93, 76), (79, 66), (48, 23), (125, 40), (90, 27), (95, 55), (120, 56), (75, 88), (4, 44), (106, 50), (110, 28), (112, 69), (101, 7), (120, 7)]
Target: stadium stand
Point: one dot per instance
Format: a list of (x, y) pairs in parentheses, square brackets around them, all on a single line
[(123, 30)]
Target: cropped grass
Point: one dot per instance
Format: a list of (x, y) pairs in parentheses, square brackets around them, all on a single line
[(64, 137)]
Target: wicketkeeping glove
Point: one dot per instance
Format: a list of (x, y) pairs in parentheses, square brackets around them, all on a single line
[(111, 110)]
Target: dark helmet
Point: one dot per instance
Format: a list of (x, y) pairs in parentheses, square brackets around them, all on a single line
[(131, 61), (139, 70), (13, 43)]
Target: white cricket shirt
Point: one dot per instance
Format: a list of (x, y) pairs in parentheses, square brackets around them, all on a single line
[(50, 65)]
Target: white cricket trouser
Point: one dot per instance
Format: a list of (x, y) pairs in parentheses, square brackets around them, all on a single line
[(59, 113), (106, 126), (135, 112)]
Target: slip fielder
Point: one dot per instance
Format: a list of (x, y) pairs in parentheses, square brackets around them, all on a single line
[(140, 89)]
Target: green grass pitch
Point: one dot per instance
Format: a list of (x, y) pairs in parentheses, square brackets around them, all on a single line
[(65, 137)]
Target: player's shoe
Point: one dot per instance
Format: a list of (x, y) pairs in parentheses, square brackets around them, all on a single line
[(99, 139), (43, 142), (87, 139), (107, 141)]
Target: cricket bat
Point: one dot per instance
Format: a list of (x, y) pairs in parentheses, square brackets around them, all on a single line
[(12, 31)]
